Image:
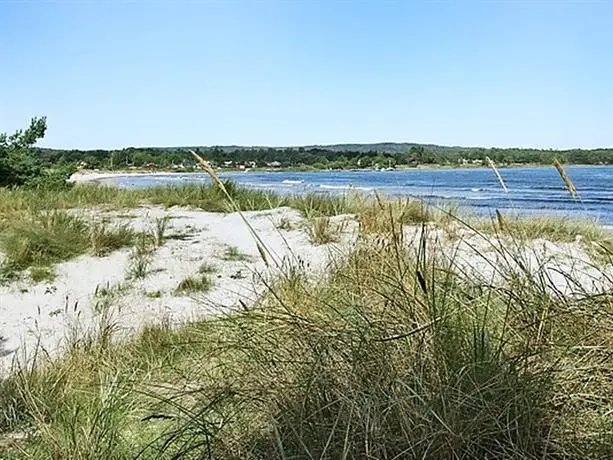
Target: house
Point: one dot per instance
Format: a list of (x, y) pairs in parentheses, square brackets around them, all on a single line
[(274, 164), (228, 164)]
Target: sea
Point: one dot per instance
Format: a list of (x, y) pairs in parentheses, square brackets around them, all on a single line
[(530, 190)]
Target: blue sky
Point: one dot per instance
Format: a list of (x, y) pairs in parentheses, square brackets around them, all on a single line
[(112, 74)]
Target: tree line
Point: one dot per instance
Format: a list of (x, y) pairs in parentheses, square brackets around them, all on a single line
[(21, 163), (319, 158)]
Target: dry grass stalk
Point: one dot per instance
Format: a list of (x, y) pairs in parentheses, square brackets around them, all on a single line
[(565, 178), (498, 175), (262, 249), (500, 221)]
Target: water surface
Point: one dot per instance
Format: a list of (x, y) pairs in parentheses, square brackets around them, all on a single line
[(531, 190)]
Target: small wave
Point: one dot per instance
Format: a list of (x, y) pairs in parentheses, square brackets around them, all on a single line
[(262, 185), (477, 189), (345, 187), (333, 187), (288, 181)]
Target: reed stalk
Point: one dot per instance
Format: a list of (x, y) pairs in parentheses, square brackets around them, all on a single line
[(568, 183), (498, 175)]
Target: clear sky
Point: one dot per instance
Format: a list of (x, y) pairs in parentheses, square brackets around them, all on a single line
[(112, 74)]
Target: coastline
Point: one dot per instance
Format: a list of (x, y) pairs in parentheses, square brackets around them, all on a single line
[(86, 176)]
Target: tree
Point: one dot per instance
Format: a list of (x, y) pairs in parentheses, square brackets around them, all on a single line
[(17, 163)]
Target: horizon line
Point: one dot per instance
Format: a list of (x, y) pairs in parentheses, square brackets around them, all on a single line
[(336, 144)]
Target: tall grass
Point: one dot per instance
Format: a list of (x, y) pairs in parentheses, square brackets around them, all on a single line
[(40, 238), (501, 181), (323, 231), (392, 355), (206, 197), (568, 183), (141, 257)]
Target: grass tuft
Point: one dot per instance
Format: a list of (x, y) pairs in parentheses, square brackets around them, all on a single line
[(141, 257), (232, 254), (206, 268), (38, 274), (159, 231), (323, 231), (153, 294), (201, 283), (105, 239)]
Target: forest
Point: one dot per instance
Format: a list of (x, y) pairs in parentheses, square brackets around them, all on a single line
[(350, 156)]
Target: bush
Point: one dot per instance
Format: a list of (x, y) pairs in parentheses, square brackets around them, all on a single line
[(19, 166)]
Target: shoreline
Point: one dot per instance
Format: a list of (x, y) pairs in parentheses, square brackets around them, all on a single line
[(94, 176)]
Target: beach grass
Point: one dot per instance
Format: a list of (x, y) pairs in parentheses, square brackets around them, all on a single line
[(233, 254), (194, 284), (204, 197), (35, 228), (42, 238), (322, 231), (392, 355)]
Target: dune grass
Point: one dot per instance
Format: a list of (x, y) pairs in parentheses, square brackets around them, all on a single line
[(322, 231), (40, 239), (392, 355), (233, 254), (205, 197), (141, 257), (194, 284), (206, 268), (373, 212)]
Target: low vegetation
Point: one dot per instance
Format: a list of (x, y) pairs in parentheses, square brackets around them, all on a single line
[(141, 257), (323, 231), (153, 294), (41, 239), (159, 231), (232, 254), (206, 269), (194, 284), (206, 197), (392, 355)]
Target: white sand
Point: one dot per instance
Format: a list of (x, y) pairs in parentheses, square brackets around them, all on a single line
[(47, 313), (558, 269), (94, 176)]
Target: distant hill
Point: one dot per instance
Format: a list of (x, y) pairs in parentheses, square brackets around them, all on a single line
[(379, 147)]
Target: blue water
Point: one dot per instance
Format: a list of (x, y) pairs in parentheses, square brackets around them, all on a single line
[(531, 190)]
